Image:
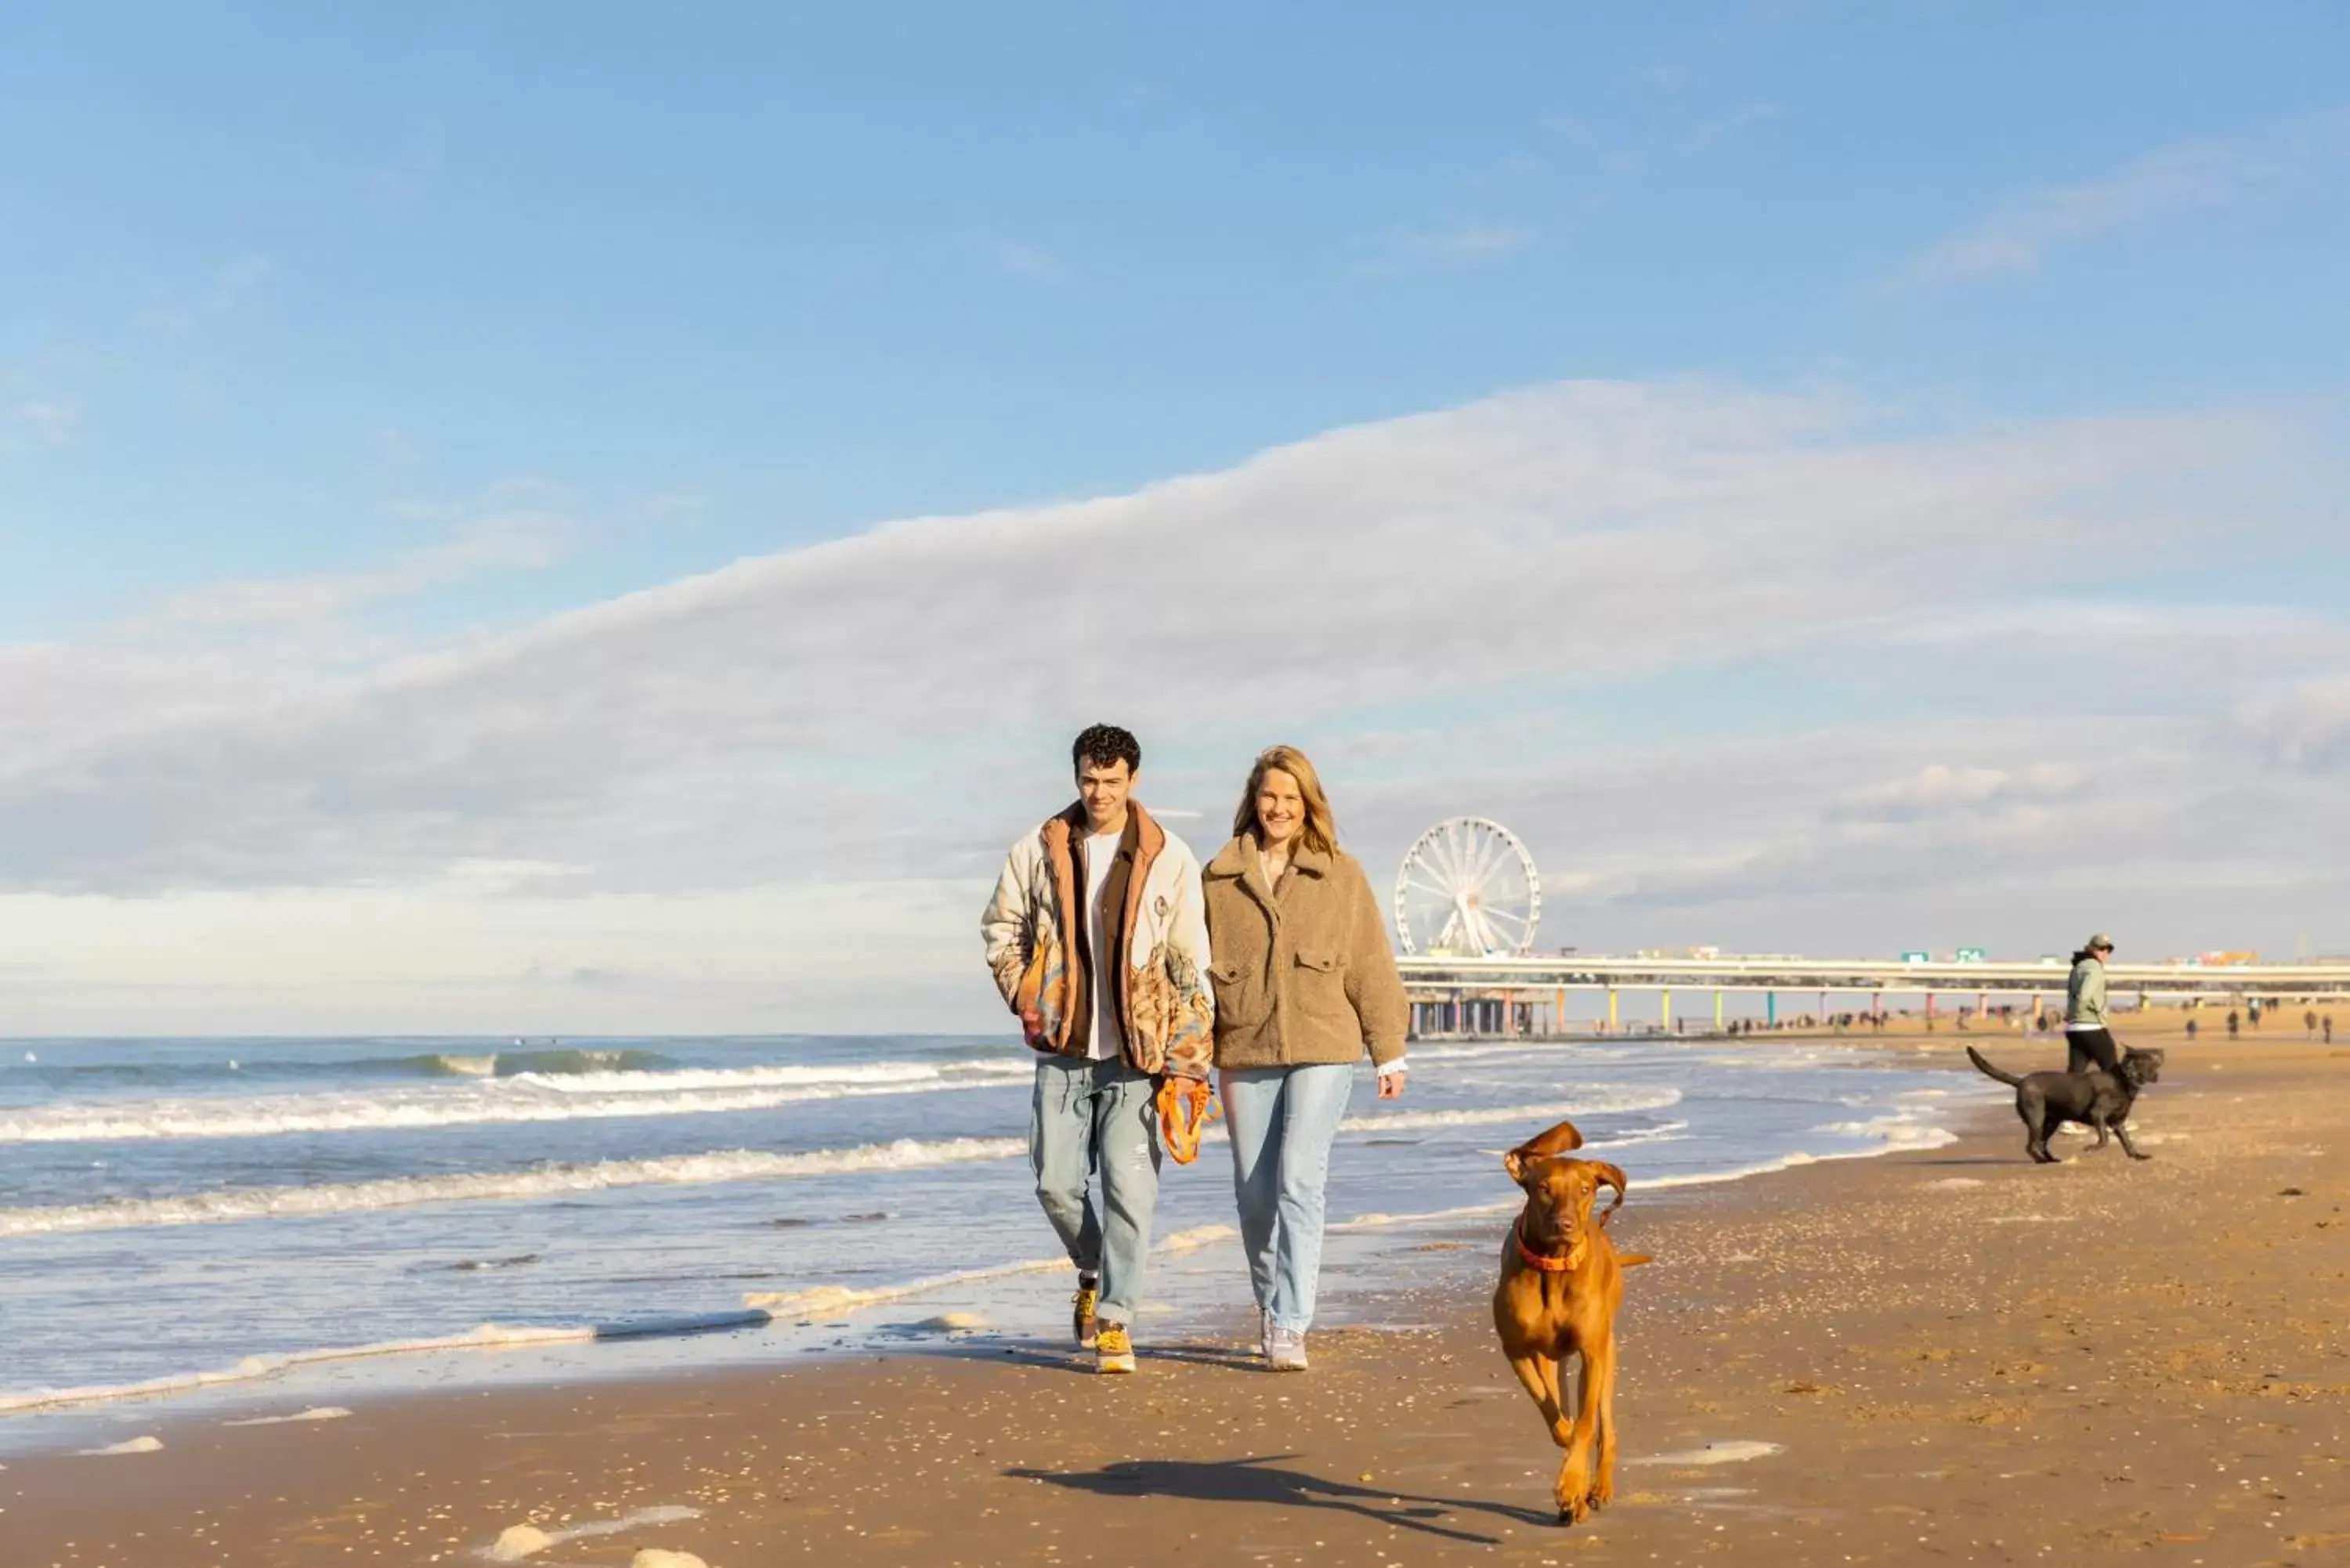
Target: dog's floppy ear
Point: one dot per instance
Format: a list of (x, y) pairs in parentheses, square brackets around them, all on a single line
[(1557, 1140), (1610, 1176)]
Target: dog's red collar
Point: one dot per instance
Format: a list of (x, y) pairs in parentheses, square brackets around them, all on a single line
[(1533, 1260)]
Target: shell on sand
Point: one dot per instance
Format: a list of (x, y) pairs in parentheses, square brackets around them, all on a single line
[(950, 1322), (516, 1541), (1723, 1453), (315, 1413)]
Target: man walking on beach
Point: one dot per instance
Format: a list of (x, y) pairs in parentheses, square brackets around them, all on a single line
[(1097, 941)]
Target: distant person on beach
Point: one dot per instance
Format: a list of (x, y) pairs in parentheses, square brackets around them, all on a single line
[(1097, 939), (2191, 1029), (2232, 1024), (2328, 1024), (2087, 1041), (1306, 983)]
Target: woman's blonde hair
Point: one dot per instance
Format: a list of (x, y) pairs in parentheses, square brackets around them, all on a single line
[(1320, 830)]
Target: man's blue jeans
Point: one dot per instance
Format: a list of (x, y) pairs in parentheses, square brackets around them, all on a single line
[(1283, 1120), (1091, 1116)]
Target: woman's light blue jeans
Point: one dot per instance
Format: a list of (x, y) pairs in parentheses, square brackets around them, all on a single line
[(1283, 1120)]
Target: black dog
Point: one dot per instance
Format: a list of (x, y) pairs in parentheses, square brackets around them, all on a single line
[(2099, 1100)]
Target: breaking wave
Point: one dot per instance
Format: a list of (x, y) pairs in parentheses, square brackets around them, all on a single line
[(514, 1064), (541, 1181), (1599, 1102), (242, 1064), (579, 1093)]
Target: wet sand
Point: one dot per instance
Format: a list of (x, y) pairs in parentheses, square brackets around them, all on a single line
[(1949, 1355)]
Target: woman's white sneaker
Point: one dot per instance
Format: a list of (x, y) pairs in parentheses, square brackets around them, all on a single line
[(1284, 1348)]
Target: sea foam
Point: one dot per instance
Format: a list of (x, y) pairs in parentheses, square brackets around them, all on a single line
[(541, 1181), (487, 1099), (487, 1336)]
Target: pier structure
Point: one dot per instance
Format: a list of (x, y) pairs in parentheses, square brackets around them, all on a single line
[(1580, 994)]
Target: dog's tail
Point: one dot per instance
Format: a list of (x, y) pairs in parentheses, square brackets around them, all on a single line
[(1633, 1260), (2008, 1078)]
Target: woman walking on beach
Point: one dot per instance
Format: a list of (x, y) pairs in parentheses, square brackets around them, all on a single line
[(1306, 983), (2088, 1043)]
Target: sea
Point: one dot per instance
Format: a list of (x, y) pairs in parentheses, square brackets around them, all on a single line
[(266, 1221)]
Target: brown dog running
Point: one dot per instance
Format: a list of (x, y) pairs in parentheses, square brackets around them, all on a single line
[(1562, 1281)]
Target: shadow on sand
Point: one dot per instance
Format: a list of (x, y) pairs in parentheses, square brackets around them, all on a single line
[(1265, 1480), (1058, 1355)]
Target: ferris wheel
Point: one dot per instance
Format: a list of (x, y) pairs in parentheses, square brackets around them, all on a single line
[(1468, 889)]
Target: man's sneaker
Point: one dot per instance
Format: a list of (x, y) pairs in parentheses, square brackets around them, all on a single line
[(1113, 1351), (1284, 1348), (1081, 1317)]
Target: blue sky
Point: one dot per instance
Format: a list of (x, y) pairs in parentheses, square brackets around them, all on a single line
[(756, 278), (331, 343)]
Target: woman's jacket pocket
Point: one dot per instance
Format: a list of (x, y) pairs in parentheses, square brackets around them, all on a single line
[(1241, 1000), (1318, 985)]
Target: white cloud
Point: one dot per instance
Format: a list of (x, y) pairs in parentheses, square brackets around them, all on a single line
[(1032, 264), (1938, 789), (1410, 251), (230, 287), (402, 184), (525, 541), (2198, 176), (53, 421), (1444, 607), (1731, 122), (2307, 728), (439, 958)]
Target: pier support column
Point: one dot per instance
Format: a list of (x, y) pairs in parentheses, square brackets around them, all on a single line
[(1771, 1009), (1665, 1008), (1611, 1010), (1717, 1009)]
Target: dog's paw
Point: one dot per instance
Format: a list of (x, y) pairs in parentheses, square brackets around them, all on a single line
[(1602, 1492), (2135, 1155), (1573, 1496)]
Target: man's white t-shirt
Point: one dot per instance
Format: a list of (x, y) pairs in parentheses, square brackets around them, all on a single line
[(1101, 939)]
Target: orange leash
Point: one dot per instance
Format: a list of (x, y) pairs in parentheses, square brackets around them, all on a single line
[(1185, 1106)]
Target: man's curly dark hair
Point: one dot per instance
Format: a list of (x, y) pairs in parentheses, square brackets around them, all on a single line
[(1102, 744)]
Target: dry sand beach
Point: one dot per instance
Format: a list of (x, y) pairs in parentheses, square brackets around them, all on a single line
[(1949, 1355)]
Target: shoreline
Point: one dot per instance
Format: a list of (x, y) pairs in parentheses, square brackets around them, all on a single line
[(1933, 1352), (830, 1312)]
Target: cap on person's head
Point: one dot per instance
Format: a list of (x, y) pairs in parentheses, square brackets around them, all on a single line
[(2099, 944)]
